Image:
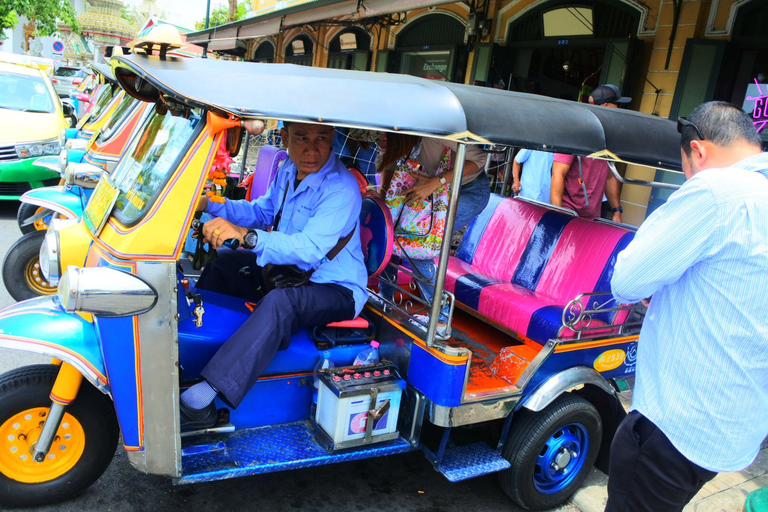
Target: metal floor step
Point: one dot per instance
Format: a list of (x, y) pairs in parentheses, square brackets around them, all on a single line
[(470, 460), (268, 450)]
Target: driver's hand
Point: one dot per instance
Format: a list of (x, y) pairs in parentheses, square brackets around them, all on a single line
[(218, 230)]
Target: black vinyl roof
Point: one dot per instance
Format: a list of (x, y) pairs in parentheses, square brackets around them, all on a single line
[(105, 71), (395, 102)]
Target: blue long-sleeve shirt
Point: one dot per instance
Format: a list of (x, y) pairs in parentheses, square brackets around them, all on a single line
[(323, 209), (702, 359)]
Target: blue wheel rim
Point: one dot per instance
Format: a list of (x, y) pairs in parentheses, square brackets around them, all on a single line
[(561, 458)]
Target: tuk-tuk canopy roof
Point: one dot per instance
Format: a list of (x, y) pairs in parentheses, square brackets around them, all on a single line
[(404, 103), (105, 71)]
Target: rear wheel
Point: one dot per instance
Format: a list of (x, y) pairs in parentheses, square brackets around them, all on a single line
[(551, 452), (26, 211), (82, 450), (21, 268)]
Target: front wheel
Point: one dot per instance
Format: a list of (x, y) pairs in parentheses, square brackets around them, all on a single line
[(82, 449), (21, 268), (551, 452)]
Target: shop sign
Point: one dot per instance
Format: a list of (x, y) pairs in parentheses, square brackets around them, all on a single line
[(757, 101)]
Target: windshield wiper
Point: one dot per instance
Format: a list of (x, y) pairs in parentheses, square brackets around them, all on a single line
[(36, 111)]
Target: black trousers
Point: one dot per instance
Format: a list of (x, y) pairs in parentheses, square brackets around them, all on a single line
[(236, 366), (647, 473)]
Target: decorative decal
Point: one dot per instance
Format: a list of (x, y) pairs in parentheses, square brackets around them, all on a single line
[(760, 108), (609, 360)]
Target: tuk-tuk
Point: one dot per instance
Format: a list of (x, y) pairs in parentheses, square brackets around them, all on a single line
[(528, 378), (80, 174), (103, 102)]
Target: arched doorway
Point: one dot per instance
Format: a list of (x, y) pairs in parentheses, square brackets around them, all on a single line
[(350, 49), (299, 51), (265, 52), (432, 47), (564, 50)]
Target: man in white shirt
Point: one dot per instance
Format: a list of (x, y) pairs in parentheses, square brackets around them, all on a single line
[(700, 402)]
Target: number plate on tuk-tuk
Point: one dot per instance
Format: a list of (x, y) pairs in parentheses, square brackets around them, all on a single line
[(99, 207)]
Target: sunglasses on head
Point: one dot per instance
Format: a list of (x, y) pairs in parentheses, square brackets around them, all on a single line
[(683, 122)]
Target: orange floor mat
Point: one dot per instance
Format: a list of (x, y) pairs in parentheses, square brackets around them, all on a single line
[(486, 376)]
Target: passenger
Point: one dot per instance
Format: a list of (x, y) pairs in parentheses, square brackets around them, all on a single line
[(314, 203), (474, 195), (579, 183)]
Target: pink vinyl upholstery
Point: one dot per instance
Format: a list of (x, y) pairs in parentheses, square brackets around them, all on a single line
[(521, 263)]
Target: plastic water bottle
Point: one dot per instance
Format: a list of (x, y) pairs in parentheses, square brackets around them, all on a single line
[(323, 363), (369, 355)]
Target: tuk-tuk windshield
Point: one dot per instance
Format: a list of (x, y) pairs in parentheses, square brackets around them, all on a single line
[(122, 111), (149, 162), (103, 95)]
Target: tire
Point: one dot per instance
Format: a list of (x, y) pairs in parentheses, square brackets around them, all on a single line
[(21, 268), (27, 210), (87, 438), (72, 120), (537, 442)]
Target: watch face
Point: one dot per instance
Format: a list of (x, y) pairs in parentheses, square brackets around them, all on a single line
[(250, 239)]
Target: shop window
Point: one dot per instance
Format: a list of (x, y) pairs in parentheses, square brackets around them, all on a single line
[(699, 71)]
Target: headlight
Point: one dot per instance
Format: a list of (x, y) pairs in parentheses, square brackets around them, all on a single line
[(105, 292), (76, 144), (49, 257), (45, 147), (63, 159), (83, 174)]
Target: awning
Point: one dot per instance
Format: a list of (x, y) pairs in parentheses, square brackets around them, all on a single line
[(370, 8), (343, 8)]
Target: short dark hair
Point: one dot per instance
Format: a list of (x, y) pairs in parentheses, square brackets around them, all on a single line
[(720, 123)]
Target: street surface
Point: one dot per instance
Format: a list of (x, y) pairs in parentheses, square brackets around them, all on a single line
[(399, 483)]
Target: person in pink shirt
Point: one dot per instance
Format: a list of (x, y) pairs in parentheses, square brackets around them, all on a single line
[(579, 183)]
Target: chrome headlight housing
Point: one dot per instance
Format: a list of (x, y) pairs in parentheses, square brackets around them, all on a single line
[(50, 265), (76, 144), (35, 149), (83, 174), (63, 159), (63, 137), (105, 291)]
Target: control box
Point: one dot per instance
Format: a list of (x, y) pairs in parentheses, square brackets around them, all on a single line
[(358, 405)]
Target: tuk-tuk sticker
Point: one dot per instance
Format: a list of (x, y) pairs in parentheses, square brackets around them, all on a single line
[(100, 206), (609, 360)]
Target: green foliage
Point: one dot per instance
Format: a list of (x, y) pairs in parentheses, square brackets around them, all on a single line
[(46, 13), (220, 16)]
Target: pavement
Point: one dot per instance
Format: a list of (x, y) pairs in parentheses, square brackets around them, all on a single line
[(727, 492)]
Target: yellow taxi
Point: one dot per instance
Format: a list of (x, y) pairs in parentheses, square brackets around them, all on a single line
[(31, 122)]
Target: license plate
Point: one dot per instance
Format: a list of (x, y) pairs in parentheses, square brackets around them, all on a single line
[(100, 206)]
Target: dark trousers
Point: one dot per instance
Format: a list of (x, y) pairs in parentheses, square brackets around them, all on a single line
[(236, 366), (647, 473)]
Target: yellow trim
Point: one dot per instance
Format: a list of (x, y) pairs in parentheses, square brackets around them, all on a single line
[(21, 430), (594, 344)]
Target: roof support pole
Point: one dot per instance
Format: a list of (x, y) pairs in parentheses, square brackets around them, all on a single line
[(453, 203)]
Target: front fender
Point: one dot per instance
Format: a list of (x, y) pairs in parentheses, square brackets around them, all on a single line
[(562, 382), (48, 162), (63, 200), (39, 325)]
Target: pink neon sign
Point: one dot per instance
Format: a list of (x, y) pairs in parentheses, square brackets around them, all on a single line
[(760, 112)]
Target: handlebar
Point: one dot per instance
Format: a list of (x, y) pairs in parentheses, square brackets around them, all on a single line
[(232, 243)]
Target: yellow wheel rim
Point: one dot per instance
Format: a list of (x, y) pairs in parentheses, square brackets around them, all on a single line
[(36, 280), (40, 224), (18, 436)]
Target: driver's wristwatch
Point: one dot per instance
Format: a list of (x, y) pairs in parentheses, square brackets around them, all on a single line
[(250, 239), (618, 209)]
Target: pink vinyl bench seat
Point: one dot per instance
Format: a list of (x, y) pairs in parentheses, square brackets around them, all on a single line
[(519, 264)]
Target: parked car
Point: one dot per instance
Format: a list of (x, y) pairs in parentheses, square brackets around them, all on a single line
[(66, 78), (33, 118)]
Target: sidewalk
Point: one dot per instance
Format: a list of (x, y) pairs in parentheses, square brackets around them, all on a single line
[(727, 492)]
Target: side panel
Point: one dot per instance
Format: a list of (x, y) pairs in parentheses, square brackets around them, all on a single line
[(438, 376)]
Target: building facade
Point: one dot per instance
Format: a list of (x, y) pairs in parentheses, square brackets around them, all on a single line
[(668, 55)]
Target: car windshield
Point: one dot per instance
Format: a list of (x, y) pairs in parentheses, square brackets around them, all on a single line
[(149, 162), (25, 93), (69, 72), (123, 111), (102, 100)]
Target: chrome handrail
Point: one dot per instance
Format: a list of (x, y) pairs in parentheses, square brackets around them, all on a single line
[(632, 181), (578, 317)]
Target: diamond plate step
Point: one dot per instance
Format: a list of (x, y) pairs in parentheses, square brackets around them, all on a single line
[(470, 460), (268, 450)]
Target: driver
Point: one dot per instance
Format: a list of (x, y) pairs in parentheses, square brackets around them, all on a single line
[(314, 203)]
